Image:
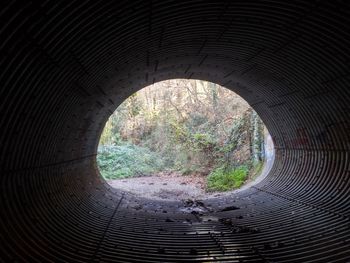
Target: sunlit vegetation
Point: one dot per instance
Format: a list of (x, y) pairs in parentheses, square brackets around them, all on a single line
[(127, 159), (222, 179), (189, 126)]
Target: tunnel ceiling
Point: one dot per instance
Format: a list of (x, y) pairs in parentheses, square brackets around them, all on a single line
[(67, 65)]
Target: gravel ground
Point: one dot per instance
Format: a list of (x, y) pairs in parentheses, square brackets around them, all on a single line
[(165, 185)]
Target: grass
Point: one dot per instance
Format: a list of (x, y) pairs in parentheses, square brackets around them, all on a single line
[(222, 179), (127, 160)]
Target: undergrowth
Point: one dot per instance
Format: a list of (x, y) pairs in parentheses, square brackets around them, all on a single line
[(221, 179), (126, 160)]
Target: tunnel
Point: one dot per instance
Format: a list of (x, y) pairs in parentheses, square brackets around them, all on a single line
[(67, 65)]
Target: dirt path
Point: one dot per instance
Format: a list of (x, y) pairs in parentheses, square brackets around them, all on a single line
[(165, 185)]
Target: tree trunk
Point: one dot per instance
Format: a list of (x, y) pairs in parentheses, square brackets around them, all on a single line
[(256, 137)]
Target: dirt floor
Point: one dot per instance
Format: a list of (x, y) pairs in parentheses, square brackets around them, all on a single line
[(165, 185)]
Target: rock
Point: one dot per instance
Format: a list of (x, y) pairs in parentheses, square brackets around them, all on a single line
[(229, 208), (188, 202), (138, 207), (199, 203)]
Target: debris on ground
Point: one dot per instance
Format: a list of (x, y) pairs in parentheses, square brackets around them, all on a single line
[(228, 208), (238, 228), (195, 207)]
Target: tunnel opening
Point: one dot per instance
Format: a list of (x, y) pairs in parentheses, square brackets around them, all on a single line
[(183, 139)]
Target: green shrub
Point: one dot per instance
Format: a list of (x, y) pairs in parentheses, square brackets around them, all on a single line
[(221, 179), (127, 160)]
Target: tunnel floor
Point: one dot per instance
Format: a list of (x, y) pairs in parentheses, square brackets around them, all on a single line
[(224, 229)]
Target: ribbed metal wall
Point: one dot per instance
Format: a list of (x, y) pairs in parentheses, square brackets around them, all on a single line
[(65, 67)]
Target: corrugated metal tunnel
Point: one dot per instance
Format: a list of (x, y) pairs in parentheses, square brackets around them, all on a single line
[(66, 66)]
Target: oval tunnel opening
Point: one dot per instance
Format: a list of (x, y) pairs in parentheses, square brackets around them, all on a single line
[(184, 139)]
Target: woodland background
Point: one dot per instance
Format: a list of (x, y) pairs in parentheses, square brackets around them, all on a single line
[(187, 126)]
